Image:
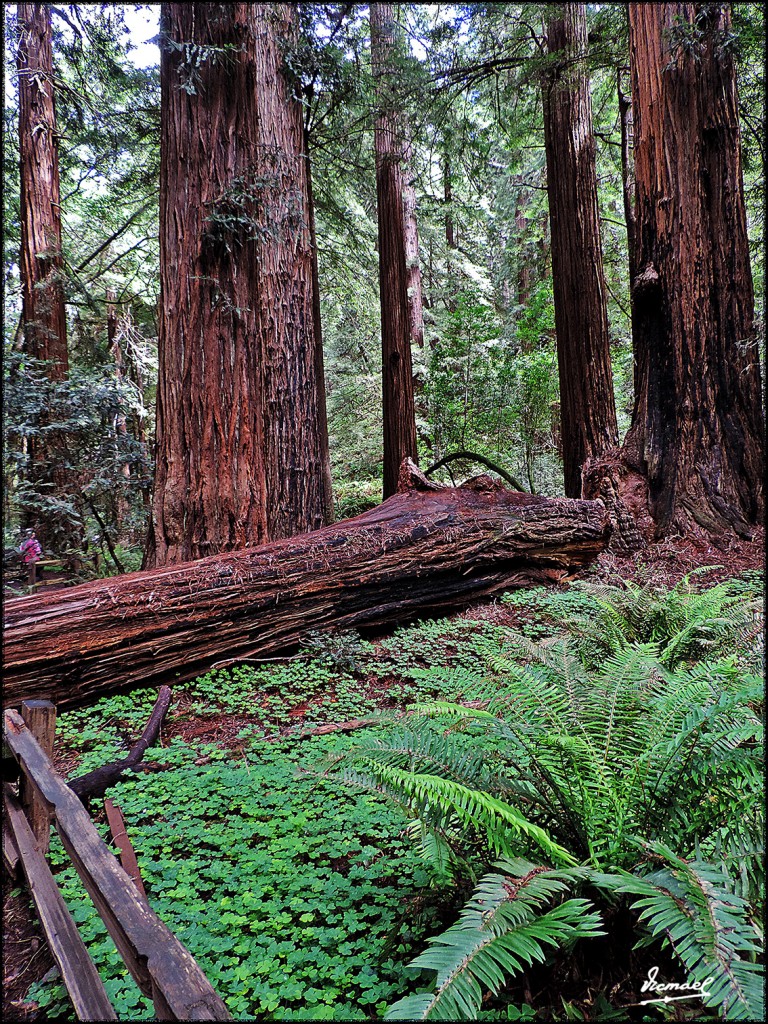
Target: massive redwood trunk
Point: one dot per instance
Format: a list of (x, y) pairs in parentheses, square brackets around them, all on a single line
[(426, 549), (396, 362), (587, 409), (239, 449), (693, 457), (43, 312)]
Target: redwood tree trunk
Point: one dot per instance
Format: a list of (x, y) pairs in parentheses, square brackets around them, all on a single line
[(587, 409), (43, 312), (697, 431), (397, 368), (239, 448)]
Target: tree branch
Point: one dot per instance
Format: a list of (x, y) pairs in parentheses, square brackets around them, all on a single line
[(474, 457), (97, 782), (112, 237)]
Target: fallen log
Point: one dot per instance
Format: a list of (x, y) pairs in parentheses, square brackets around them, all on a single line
[(427, 549)]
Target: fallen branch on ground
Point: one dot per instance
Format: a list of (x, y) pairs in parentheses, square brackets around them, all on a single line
[(97, 782)]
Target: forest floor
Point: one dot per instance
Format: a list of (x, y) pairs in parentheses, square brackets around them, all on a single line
[(26, 959)]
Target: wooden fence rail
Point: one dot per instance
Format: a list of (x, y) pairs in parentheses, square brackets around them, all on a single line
[(163, 969), (84, 985)]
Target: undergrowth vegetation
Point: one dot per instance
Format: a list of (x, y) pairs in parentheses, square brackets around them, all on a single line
[(593, 771)]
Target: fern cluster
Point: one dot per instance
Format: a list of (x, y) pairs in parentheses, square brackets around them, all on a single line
[(640, 774), (686, 624)]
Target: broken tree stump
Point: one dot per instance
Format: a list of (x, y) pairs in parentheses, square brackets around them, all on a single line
[(427, 549)]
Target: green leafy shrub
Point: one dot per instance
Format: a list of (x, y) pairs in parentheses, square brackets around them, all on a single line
[(77, 477), (352, 497)]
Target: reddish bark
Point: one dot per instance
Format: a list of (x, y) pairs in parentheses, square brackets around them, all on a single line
[(43, 311), (397, 367), (696, 440), (429, 548), (239, 447), (587, 409)]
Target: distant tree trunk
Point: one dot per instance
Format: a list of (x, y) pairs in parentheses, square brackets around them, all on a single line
[(627, 174), (696, 440), (121, 429), (413, 268), (397, 367), (450, 237), (450, 232), (43, 312), (322, 412), (523, 268), (588, 412), (239, 451)]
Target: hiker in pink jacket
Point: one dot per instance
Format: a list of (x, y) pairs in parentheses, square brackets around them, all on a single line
[(30, 551)]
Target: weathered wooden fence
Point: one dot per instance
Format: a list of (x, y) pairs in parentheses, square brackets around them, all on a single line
[(163, 969)]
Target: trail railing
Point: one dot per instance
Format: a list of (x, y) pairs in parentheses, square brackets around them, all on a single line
[(162, 967)]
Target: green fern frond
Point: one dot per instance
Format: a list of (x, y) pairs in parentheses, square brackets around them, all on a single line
[(423, 751), (738, 852), (686, 624), (500, 931), (708, 927), (584, 762), (434, 850), (444, 707), (436, 799)]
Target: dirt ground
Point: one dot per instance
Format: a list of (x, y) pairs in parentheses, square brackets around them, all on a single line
[(26, 958)]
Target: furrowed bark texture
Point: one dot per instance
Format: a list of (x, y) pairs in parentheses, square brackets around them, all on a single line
[(239, 453), (696, 440), (43, 314), (587, 409), (396, 363), (421, 551)]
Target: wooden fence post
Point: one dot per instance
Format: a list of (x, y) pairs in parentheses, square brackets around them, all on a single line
[(40, 718)]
